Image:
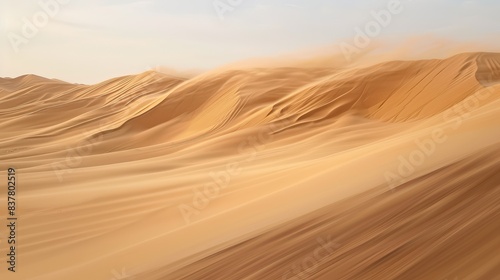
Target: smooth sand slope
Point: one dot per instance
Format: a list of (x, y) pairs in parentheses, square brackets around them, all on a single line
[(383, 172)]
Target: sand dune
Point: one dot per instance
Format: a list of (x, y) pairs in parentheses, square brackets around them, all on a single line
[(388, 171)]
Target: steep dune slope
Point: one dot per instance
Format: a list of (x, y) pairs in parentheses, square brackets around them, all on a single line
[(394, 91)]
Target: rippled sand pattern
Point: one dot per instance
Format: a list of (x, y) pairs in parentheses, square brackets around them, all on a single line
[(390, 171)]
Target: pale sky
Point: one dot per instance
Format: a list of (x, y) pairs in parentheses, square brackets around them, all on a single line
[(88, 41)]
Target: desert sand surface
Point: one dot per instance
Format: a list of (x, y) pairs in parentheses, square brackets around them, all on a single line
[(385, 171)]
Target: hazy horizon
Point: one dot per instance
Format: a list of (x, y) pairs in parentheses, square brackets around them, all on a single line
[(91, 41)]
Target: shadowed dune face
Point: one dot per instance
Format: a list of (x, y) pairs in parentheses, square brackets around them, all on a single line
[(379, 172)]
